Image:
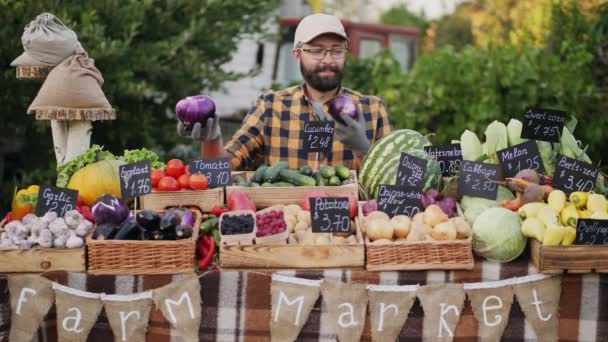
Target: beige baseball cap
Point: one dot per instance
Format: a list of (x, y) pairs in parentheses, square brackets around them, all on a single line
[(317, 24)]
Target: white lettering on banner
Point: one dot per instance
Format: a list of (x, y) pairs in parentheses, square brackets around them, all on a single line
[(383, 308), (485, 308), (185, 296), (123, 321), (350, 312), (22, 298), (298, 300), (77, 318), (442, 323), (537, 303)]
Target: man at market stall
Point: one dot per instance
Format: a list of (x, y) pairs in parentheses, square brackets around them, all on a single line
[(273, 129)]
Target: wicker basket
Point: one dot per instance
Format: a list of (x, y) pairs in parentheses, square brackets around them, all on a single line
[(143, 257), (418, 255), (204, 200)]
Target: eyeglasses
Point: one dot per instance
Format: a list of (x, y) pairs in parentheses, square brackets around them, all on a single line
[(319, 54)]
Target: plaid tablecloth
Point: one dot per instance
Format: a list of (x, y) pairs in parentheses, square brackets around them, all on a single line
[(236, 305)]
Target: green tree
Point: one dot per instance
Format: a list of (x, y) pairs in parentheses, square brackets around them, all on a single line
[(454, 30), (151, 54), (400, 15)]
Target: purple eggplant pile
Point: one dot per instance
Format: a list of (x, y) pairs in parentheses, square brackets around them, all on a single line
[(113, 224)]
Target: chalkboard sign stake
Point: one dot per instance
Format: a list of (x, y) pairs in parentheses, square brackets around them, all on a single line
[(316, 161)]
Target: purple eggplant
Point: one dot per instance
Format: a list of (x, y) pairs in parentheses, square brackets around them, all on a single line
[(109, 209), (148, 220), (129, 230), (105, 231), (183, 232)]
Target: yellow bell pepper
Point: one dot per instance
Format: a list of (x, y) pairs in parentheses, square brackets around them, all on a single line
[(533, 227), (548, 216), (33, 189), (557, 200), (584, 214), (569, 236), (600, 215), (579, 199), (530, 210), (554, 234), (569, 216), (596, 202)]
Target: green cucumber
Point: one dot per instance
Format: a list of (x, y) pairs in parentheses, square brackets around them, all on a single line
[(342, 171), (334, 181), (320, 180), (254, 185), (258, 176), (327, 171), (306, 170), (239, 181), (271, 174), (296, 178), (282, 184)]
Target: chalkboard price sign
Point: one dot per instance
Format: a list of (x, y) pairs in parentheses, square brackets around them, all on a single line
[(135, 179), (543, 124), (411, 170), (449, 157), (591, 232), (217, 170), (318, 136), (574, 175), (330, 214), (478, 180), (59, 200), (520, 157), (396, 200)]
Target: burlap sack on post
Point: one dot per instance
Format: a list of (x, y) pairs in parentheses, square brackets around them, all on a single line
[(77, 312), (389, 308), (539, 300), (346, 306), (491, 308), (46, 42), (128, 315), (180, 303), (292, 302), (72, 91), (442, 305), (31, 298)]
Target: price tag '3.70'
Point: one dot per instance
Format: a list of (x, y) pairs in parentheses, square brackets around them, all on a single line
[(135, 179), (330, 214)]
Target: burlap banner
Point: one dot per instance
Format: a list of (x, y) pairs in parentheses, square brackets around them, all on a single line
[(442, 305), (389, 307), (128, 315), (539, 300), (180, 302), (346, 306), (292, 302), (31, 298), (77, 312), (491, 307)]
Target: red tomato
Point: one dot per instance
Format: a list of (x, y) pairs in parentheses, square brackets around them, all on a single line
[(184, 181), (353, 206), (187, 169), (199, 182), (168, 183), (156, 175), (175, 168)]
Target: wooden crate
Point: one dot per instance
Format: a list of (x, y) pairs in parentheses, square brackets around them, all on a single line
[(116, 257), (294, 256), (574, 259), (269, 196), (418, 255), (40, 259), (205, 200)]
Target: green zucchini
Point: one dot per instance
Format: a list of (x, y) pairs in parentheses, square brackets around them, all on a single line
[(296, 178), (342, 172), (327, 171)]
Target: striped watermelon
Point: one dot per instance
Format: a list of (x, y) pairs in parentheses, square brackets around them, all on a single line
[(385, 148), (388, 172)]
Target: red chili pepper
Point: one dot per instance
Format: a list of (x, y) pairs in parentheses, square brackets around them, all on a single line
[(219, 210), (204, 262), (9, 217)]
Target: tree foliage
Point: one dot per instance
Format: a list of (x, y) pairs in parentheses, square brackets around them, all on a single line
[(151, 54)]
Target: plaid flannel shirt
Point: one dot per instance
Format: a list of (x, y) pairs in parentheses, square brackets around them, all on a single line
[(273, 130)]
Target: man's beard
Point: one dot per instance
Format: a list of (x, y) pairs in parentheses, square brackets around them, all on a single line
[(318, 82)]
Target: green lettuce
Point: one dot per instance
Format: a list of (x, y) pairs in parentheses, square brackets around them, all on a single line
[(90, 156)]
